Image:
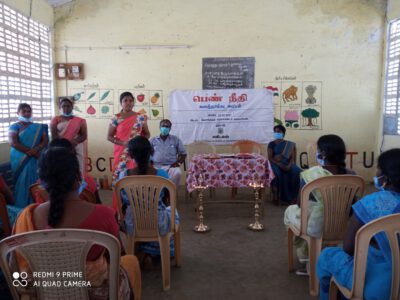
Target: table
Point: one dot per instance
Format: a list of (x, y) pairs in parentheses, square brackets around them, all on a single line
[(228, 170)]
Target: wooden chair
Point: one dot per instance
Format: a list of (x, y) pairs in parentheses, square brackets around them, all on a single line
[(391, 226), (58, 250), (338, 193), (143, 192), (37, 191), (246, 146), (5, 220)]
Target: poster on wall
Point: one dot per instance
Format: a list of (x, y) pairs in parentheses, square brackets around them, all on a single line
[(100, 103), (222, 116), (297, 104)]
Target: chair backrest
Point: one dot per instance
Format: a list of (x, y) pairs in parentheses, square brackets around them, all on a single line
[(5, 220), (311, 149), (56, 251), (338, 193), (36, 190), (200, 147), (143, 192), (246, 146), (391, 226)]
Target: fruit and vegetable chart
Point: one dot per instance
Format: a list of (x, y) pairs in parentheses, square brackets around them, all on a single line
[(102, 103), (297, 104), (93, 103), (149, 102)]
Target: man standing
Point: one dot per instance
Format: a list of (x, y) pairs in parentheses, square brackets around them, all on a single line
[(169, 152)]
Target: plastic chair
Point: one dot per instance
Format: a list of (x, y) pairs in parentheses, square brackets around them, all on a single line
[(311, 149), (246, 146), (338, 193), (143, 192), (59, 250), (5, 220), (36, 190), (391, 226)]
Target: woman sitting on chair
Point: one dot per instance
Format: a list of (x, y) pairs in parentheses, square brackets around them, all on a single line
[(59, 172), (140, 150), (282, 155), (339, 262), (331, 155)]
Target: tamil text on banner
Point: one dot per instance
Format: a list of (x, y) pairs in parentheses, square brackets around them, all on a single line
[(222, 116)]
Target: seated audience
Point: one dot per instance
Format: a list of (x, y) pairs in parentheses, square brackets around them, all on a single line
[(339, 262), (282, 155), (169, 152), (331, 156), (27, 140), (87, 181), (60, 173), (140, 150), (12, 210)]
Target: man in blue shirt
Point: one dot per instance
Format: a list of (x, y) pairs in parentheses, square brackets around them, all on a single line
[(169, 152)]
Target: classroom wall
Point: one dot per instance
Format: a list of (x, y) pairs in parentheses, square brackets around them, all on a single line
[(41, 12), (339, 43)]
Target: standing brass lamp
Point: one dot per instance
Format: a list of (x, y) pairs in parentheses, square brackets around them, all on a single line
[(256, 226), (200, 187)]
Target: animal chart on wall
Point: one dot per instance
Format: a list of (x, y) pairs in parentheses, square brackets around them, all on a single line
[(99, 103), (297, 104)]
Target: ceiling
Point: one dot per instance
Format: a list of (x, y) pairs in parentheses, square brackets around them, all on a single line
[(56, 3)]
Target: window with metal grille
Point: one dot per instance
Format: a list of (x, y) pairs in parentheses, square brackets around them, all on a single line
[(392, 87), (25, 68)]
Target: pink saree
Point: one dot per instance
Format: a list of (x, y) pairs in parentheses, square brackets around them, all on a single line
[(126, 129)]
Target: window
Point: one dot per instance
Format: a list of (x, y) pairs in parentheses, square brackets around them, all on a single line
[(25, 68), (392, 86)]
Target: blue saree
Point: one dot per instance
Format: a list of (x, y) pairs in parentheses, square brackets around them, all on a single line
[(287, 182), (333, 261), (24, 167)]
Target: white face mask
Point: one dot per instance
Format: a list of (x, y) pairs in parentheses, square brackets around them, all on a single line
[(320, 161)]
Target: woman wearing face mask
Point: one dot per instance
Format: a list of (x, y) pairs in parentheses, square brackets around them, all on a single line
[(281, 155), (123, 127), (72, 128), (339, 262), (331, 156), (27, 140)]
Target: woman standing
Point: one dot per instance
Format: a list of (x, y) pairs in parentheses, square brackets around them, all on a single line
[(27, 140), (281, 155), (339, 262), (125, 126), (71, 128)]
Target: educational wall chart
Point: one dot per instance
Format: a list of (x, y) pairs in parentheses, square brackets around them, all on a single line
[(297, 104), (222, 116), (100, 103)]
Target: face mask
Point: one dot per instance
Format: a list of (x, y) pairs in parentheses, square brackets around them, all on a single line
[(377, 184), (21, 118), (82, 186), (278, 135), (67, 115), (320, 161), (164, 130)]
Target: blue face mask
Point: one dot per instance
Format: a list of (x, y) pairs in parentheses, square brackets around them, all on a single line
[(21, 118), (278, 135), (82, 186), (164, 130), (377, 184), (67, 115), (320, 161)]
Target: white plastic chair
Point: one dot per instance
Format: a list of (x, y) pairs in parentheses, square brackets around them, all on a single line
[(58, 250)]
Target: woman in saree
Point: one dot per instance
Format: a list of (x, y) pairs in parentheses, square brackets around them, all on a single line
[(72, 128), (59, 172), (282, 155), (339, 262), (331, 157), (27, 140), (125, 126)]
